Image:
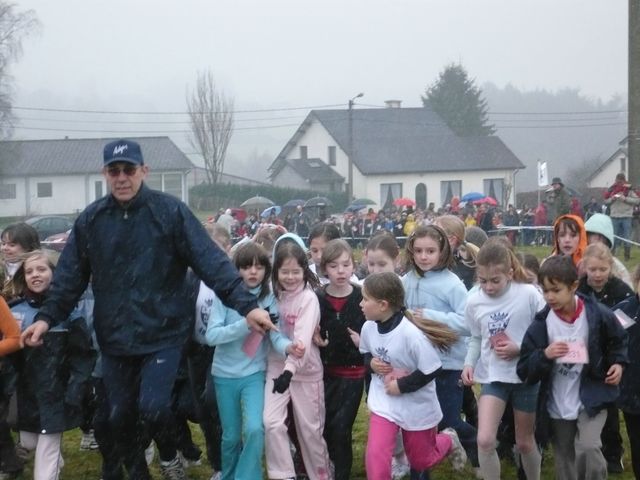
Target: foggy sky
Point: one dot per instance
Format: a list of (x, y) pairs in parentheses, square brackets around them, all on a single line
[(142, 54)]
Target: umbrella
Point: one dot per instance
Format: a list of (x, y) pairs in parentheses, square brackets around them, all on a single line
[(363, 201), (257, 203), (318, 202), (354, 208), (472, 197), (267, 211), (294, 203), (489, 200), (404, 202)]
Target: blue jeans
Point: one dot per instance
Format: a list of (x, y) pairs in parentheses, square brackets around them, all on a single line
[(622, 228), (138, 390)]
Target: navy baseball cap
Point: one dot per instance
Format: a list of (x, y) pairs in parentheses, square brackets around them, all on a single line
[(123, 151)]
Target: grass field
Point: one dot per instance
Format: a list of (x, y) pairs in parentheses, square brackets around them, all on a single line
[(86, 465)]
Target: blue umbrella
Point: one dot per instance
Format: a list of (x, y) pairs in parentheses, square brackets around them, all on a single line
[(472, 197), (268, 211), (354, 208)]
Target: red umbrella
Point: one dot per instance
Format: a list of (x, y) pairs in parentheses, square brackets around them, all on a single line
[(489, 200), (404, 202)]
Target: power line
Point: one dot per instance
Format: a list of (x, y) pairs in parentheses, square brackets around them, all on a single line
[(115, 112), (138, 132), (148, 122)]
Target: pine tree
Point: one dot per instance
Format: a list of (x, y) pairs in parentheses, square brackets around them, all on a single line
[(455, 97)]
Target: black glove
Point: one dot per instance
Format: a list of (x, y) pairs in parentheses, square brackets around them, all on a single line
[(281, 383)]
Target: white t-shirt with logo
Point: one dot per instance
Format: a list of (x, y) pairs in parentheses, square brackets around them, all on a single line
[(564, 398), (509, 314), (406, 349)]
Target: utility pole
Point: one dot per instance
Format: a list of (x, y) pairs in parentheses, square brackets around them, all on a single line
[(634, 93), (351, 151)]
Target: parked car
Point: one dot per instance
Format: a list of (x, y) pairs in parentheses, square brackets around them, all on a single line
[(56, 242), (50, 225)]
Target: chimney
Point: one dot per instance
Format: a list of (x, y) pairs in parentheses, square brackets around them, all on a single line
[(393, 103)]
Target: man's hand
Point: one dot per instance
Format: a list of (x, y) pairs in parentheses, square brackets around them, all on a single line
[(258, 320), (32, 336)]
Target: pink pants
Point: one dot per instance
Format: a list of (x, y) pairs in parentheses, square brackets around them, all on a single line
[(424, 448)]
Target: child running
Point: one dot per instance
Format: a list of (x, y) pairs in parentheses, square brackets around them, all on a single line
[(17, 240), (341, 320), (401, 355), (569, 238), (295, 380), (498, 314), (52, 377), (382, 253), (239, 364), (577, 349), (319, 236), (434, 292)]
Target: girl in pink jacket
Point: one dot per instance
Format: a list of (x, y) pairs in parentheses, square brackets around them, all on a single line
[(295, 380)]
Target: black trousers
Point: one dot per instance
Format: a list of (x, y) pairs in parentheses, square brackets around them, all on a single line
[(342, 400), (610, 436), (632, 421)]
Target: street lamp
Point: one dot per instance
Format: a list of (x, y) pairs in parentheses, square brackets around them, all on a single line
[(351, 151)]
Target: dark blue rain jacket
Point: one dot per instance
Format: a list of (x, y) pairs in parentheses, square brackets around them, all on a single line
[(137, 258)]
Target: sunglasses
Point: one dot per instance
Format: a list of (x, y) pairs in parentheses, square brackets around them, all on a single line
[(128, 170)]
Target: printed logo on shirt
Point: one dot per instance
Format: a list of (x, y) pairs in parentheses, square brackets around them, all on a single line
[(383, 354), (205, 312), (498, 323)]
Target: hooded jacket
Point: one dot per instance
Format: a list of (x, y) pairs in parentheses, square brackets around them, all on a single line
[(601, 224), (137, 257), (582, 242)]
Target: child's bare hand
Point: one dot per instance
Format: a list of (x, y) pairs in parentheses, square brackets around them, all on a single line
[(556, 350), (392, 388), (417, 313), (467, 375), (507, 349), (296, 348), (614, 374), (380, 367), (355, 337), (317, 338)]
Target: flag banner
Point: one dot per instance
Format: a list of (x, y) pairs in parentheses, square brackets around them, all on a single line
[(543, 177)]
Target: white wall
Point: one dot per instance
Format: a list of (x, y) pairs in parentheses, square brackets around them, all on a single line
[(606, 177), (471, 182)]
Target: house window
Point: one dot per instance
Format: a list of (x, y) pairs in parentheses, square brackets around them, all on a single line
[(303, 152), (173, 184), (332, 156), (494, 188), (98, 189), (448, 190), (388, 193), (421, 196), (7, 191), (45, 190)]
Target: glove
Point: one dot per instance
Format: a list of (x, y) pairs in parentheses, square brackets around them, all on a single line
[(281, 383)]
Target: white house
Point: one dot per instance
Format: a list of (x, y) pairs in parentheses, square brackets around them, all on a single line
[(398, 152), (40, 177), (605, 174)]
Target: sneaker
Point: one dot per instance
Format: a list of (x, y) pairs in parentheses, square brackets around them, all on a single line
[(457, 455), (399, 470), (216, 476), (615, 466), (189, 462), (173, 469), (88, 441), (149, 453)]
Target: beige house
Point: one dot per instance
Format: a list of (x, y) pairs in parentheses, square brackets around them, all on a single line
[(395, 152)]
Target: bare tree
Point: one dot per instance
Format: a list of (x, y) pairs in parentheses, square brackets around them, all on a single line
[(211, 116), (15, 25)]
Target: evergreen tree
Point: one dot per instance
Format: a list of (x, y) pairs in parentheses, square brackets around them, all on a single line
[(455, 97)]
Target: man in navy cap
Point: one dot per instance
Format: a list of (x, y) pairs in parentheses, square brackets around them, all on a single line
[(136, 245)]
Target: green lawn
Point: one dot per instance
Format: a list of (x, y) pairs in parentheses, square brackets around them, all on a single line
[(85, 465)]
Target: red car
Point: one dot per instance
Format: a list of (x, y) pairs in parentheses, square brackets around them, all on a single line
[(56, 242)]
